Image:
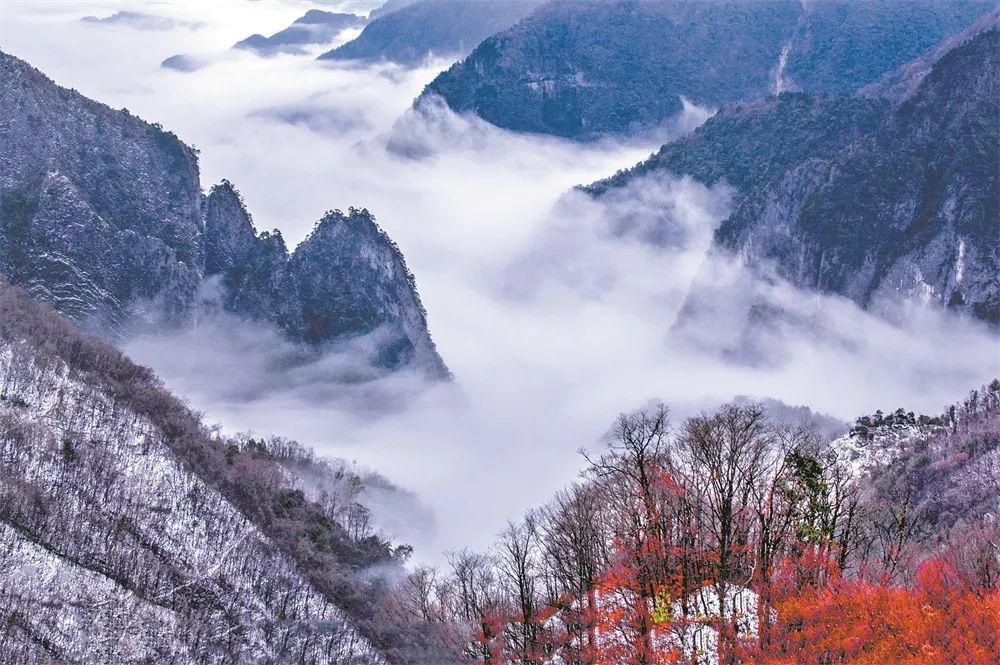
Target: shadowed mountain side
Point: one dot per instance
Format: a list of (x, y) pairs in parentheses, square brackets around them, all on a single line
[(585, 69), (346, 279), (850, 195)]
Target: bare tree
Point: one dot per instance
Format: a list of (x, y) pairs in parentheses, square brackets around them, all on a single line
[(518, 565)]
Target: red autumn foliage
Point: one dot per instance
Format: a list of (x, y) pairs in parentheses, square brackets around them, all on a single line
[(941, 620), (719, 551)]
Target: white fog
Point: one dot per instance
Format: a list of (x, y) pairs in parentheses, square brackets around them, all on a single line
[(554, 312)]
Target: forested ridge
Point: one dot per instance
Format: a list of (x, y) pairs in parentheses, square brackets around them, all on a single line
[(881, 201), (582, 69), (102, 216)]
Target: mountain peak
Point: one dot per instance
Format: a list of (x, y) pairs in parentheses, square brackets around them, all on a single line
[(116, 251), (318, 16), (229, 230)]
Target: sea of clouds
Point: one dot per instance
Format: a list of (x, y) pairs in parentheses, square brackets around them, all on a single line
[(555, 312)]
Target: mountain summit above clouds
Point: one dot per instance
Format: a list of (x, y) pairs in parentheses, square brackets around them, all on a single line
[(103, 217), (312, 28), (346, 279)]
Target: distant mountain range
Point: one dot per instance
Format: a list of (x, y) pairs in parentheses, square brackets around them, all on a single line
[(862, 196), (582, 69), (409, 34), (314, 27), (388, 7), (103, 217)]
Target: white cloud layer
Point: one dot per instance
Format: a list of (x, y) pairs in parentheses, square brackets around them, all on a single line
[(553, 311)]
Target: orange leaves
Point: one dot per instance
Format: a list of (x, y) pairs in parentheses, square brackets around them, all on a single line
[(940, 620), (808, 614)]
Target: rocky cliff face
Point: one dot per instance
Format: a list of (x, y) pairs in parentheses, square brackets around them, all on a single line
[(911, 209), (587, 69), (101, 215), (347, 279), (122, 533), (351, 256), (99, 211), (865, 197)]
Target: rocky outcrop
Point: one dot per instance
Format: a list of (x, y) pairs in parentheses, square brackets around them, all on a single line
[(101, 215), (910, 210), (345, 280), (100, 210), (875, 200)]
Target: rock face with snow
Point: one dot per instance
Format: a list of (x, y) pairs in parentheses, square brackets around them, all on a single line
[(584, 69), (101, 215), (100, 210), (119, 538), (348, 256), (872, 199), (910, 210)]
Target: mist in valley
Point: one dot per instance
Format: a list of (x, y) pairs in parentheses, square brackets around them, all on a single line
[(554, 311)]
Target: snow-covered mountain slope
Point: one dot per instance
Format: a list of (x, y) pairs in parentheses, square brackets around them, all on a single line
[(98, 209), (102, 216), (941, 470), (114, 547), (867, 447)]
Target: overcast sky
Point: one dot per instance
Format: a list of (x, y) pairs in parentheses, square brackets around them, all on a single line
[(553, 311)]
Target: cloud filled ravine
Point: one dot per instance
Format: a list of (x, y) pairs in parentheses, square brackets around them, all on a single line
[(554, 311)]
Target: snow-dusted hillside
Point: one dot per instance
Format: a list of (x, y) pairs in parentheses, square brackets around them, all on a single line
[(933, 478), (863, 449), (113, 551)]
